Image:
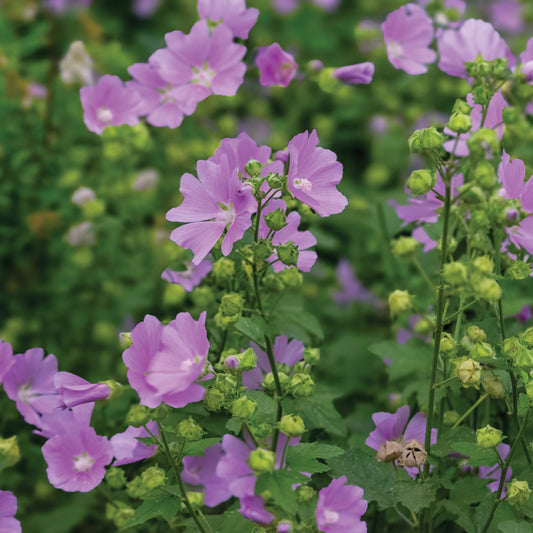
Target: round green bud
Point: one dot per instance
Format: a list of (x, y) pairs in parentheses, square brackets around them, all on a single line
[(160, 412), (269, 382), (196, 499), (304, 493), (427, 139), (512, 347), (455, 273), (489, 290), (485, 175), (138, 415), (214, 399), (468, 371), (484, 264), (302, 385), (288, 253), (424, 325), (460, 123), (243, 408), (400, 301), (404, 246), (260, 429), (488, 437), (312, 356), (273, 283), (527, 336), (9, 452), (115, 477), (135, 488), (227, 384), (275, 181), (263, 250), (190, 430), (421, 181), (153, 477), (231, 304), (292, 425), (291, 277), (476, 334), (275, 220), (262, 461), (124, 340), (480, 350), (461, 106), (493, 386), (499, 67), (450, 418), (518, 492), (482, 94), (123, 516), (447, 343), (253, 168), (247, 360), (223, 269)]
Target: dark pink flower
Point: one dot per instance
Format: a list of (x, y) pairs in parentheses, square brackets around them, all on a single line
[(232, 13), (408, 32), (109, 103), (127, 448), (8, 509), (314, 174), (276, 66), (340, 508)]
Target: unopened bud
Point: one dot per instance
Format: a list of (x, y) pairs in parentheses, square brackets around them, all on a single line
[(484, 264), (223, 269), (493, 386), (196, 499), (399, 302), (253, 168), (447, 343), (247, 360), (480, 350), (455, 273), (288, 253), (243, 408), (138, 415), (424, 325), (461, 106), (484, 143), (302, 385), (291, 277), (450, 418), (518, 492), (190, 430), (275, 181), (269, 383), (123, 516), (488, 437), (527, 336), (485, 175), (304, 493), (9, 452), (460, 123), (261, 460), (476, 334), (425, 140), (413, 455), (214, 399), (468, 371), (124, 340), (421, 181), (489, 290), (153, 477), (389, 451), (275, 220), (231, 304), (512, 346), (404, 246), (312, 356), (115, 477), (292, 425)]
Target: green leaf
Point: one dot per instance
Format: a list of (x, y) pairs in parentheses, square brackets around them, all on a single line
[(197, 448), (476, 455), (266, 406), (157, 503), (279, 485), (303, 457), (511, 526), (448, 441), (234, 425), (254, 328)]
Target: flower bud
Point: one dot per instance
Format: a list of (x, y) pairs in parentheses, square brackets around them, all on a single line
[(424, 325), (196, 499), (292, 425), (262, 461), (488, 289), (511, 347), (493, 386), (189, 430), (400, 301), (262, 250), (518, 492), (404, 246), (484, 264), (413, 454), (304, 493), (243, 408), (153, 477), (468, 371), (389, 451), (480, 350), (275, 181), (447, 343), (527, 336), (138, 415), (291, 277), (247, 360), (135, 488), (312, 356), (421, 181), (231, 362), (214, 399), (270, 384), (201, 296), (285, 526), (253, 168), (485, 175), (9, 452), (461, 106), (123, 516), (223, 269), (427, 139), (231, 304), (93, 208), (124, 340), (450, 418), (488, 437), (484, 143), (288, 253), (476, 334), (302, 385), (115, 477), (275, 220), (160, 412), (455, 273), (460, 123)]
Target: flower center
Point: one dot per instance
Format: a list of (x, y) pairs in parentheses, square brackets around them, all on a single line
[(331, 517), (226, 215), (286, 70), (25, 394), (303, 184), (165, 94), (104, 115), (203, 75), (395, 50), (83, 462)]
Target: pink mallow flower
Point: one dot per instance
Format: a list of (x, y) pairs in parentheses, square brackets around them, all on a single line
[(351, 289), (190, 277), (164, 362), (408, 32), (202, 59), (475, 37), (213, 203), (526, 58), (495, 471), (30, 383), (340, 508), (232, 13), (6, 359), (109, 103), (73, 390), (127, 448), (8, 509), (361, 73), (314, 174), (276, 67), (77, 459)]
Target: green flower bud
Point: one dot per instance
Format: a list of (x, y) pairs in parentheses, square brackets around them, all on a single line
[(123, 517), (9, 452), (231, 304), (424, 325), (518, 492), (190, 430), (488, 437), (400, 301), (482, 94), (273, 283), (160, 412), (450, 418), (260, 429), (484, 143), (262, 250), (447, 343), (304, 493), (124, 340), (499, 67), (512, 347), (468, 371), (460, 123), (115, 477), (485, 175), (275, 220), (269, 383), (138, 415), (427, 139), (421, 181), (153, 477), (489, 290), (312, 356), (302, 385), (227, 384), (275, 181), (476, 334), (484, 264), (196, 499), (262, 461), (288, 253), (455, 273), (527, 336), (247, 360), (461, 106), (214, 399), (493, 386), (291, 277), (243, 408), (292, 425), (223, 269), (253, 168), (404, 246), (135, 488), (93, 208)]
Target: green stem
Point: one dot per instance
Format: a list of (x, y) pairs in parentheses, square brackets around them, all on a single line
[(423, 274), (472, 408), (459, 312)]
